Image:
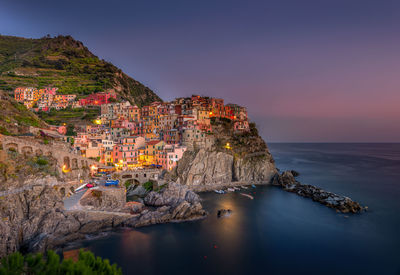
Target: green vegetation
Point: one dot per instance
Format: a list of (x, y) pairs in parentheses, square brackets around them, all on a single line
[(148, 185), (128, 183), (42, 161), (87, 264), (15, 118), (4, 131), (15, 164), (161, 187), (69, 115), (64, 63)]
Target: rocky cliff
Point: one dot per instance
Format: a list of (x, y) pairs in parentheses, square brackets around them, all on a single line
[(36, 220), (234, 157)]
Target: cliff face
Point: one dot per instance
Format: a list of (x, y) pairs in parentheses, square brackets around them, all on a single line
[(36, 220), (209, 168), (29, 217), (246, 159)]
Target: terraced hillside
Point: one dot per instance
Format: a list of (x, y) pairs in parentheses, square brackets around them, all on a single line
[(67, 64)]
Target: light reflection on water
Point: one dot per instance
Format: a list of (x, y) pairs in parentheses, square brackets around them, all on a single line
[(279, 232)]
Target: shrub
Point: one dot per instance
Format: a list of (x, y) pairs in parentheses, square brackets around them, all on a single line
[(87, 263), (148, 185), (128, 183), (4, 131), (42, 161)]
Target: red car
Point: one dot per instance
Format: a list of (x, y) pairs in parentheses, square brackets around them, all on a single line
[(89, 185)]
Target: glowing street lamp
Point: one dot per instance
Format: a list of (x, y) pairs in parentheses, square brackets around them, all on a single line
[(65, 169)]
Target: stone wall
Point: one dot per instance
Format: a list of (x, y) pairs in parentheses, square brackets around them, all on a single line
[(77, 167)]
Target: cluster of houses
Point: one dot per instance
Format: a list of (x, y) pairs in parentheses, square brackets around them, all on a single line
[(47, 98), (126, 136)]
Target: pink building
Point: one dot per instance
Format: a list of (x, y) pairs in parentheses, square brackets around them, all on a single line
[(97, 99)]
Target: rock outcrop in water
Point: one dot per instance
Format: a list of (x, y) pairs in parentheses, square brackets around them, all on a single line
[(175, 203), (287, 181)]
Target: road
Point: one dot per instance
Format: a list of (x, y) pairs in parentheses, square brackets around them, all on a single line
[(72, 202)]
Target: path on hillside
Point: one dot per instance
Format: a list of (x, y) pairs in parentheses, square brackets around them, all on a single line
[(30, 187)]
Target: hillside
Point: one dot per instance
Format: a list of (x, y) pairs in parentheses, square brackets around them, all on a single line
[(15, 118), (67, 64)]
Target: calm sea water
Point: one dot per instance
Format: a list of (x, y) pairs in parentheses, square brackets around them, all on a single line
[(279, 232)]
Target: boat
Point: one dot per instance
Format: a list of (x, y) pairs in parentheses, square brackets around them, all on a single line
[(253, 186), (230, 190), (236, 188), (219, 191), (243, 187), (247, 195)]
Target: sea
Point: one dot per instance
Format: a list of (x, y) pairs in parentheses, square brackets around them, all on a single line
[(279, 232)]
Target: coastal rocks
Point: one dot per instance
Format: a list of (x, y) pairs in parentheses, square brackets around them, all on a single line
[(107, 199), (35, 220), (205, 168), (136, 190), (30, 216), (224, 213), (213, 168), (133, 207), (254, 168), (342, 204), (174, 203)]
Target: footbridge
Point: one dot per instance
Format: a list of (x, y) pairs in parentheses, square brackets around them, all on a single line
[(139, 176)]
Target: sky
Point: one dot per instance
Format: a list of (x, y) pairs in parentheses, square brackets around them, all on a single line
[(308, 71)]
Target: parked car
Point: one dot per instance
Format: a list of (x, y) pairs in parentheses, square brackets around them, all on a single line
[(112, 183), (89, 185)]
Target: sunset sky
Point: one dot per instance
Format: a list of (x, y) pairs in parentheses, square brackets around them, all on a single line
[(308, 71)]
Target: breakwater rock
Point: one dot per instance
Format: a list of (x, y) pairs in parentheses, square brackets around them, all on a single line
[(287, 182)]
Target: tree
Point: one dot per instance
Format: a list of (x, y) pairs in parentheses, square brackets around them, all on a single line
[(70, 130), (87, 263)]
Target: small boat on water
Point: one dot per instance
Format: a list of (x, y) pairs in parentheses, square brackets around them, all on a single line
[(247, 195), (253, 186), (243, 187), (230, 190), (219, 191)]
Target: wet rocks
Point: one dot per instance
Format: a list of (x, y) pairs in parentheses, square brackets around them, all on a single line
[(174, 203), (223, 212), (343, 204)]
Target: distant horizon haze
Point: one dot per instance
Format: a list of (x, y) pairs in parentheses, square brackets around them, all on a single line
[(308, 71)]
